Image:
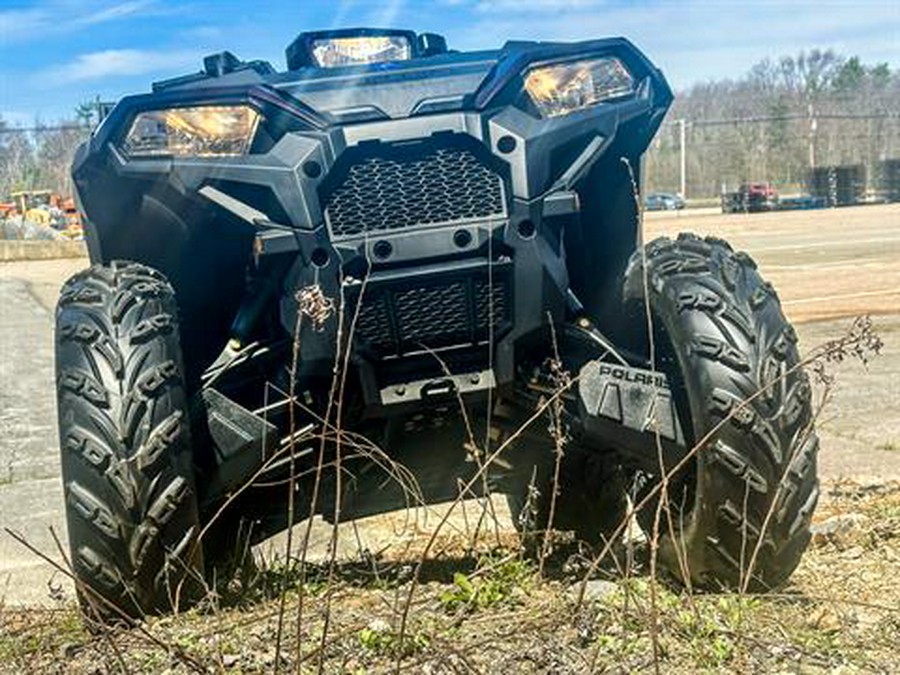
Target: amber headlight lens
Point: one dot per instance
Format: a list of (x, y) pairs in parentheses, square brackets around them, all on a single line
[(349, 51), (202, 131), (567, 87)]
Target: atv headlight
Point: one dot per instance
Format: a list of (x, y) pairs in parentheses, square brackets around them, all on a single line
[(202, 131), (349, 51), (567, 87)]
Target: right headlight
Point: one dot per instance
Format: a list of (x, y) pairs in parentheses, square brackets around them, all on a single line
[(566, 87)]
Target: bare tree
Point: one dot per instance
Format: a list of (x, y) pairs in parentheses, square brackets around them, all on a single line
[(778, 119), (38, 158)]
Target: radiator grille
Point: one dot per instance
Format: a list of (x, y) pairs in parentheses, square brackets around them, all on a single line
[(388, 188), (433, 314)]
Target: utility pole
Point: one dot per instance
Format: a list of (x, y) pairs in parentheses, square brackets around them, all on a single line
[(812, 137), (681, 145)]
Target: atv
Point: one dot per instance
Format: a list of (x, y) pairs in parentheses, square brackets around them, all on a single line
[(370, 279)]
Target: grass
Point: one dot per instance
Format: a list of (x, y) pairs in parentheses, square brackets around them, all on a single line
[(487, 610), (500, 578)]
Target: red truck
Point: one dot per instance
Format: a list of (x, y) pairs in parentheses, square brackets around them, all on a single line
[(750, 197)]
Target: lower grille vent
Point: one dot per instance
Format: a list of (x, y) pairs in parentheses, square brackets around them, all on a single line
[(433, 313)]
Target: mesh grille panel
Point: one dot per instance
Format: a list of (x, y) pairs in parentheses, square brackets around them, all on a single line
[(433, 314), (416, 310), (409, 186)]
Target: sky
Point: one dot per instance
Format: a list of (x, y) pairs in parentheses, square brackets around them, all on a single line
[(55, 54)]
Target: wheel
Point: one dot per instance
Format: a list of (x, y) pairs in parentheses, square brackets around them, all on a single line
[(742, 511), (127, 467)]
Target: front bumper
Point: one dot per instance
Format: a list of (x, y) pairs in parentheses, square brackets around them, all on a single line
[(450, 293)]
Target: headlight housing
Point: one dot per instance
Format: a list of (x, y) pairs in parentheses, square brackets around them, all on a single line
[(349, 51), (563, 88), (200, 131)]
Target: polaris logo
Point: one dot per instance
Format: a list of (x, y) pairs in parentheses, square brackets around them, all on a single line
[(635, 375)]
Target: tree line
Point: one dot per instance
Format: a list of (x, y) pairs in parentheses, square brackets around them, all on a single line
[(781, 118), (40, 157)]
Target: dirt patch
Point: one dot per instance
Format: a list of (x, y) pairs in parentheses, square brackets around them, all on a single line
[(860, 428)]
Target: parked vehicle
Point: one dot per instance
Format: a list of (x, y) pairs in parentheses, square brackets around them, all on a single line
[(392, 251), (801, 203), (663, 201), (750, 198)]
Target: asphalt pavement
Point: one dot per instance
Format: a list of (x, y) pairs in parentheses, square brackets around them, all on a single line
[(31, 497)]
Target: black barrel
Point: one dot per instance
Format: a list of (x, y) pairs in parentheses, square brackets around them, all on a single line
[(889, 180), (838, 185)]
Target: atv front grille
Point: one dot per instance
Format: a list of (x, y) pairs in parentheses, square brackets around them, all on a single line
[(433, 313), (382, 188)]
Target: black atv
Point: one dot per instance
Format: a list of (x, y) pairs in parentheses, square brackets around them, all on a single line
[(396, 255)]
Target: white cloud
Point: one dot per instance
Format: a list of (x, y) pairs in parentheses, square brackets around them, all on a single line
[(204, 33), (52, 18), (535, 6), (17, 118), (523, 6), (119, 62), (113, 12), (389, 11), (19, 21)]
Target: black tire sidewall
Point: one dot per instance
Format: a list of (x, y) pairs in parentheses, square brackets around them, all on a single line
[(126, 453), (724, 338)]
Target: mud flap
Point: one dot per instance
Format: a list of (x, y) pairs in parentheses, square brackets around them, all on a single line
[(627, 408), (241, 442)]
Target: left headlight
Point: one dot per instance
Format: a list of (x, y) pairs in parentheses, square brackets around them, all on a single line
[(201, 131), (566, 87)]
